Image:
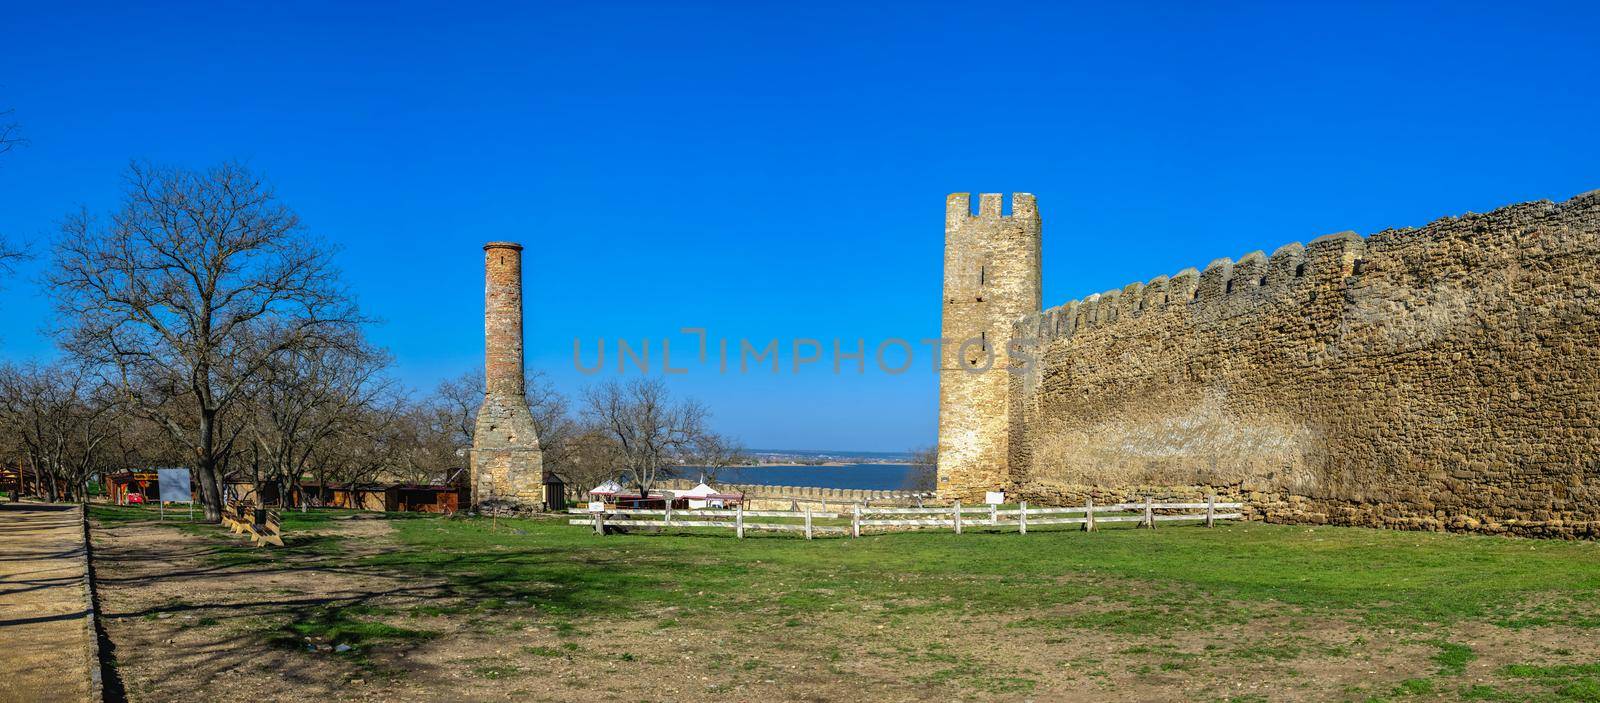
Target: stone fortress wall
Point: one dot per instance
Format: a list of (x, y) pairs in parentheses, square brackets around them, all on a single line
[(1446, 377)]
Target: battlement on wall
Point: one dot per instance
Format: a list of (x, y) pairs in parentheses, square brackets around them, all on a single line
[(958, 207), (843, 495), (1441, 377), (1226, 287)]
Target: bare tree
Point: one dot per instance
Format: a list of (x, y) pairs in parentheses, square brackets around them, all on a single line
[(712, 452), (653, 433), (593, 457), (423, 453), (369, 447), (10, 138), (458, 399), (10, 132), (199, 282), (924, 475), (63, 417), (306, 398)]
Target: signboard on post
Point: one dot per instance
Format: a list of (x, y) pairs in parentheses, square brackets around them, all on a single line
[(597, 506), (174, 485), (995, 497)]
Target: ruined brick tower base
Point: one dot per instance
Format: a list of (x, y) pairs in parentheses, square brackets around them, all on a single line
[(507, 466)]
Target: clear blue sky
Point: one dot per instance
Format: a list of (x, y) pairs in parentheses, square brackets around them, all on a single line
[(781, 171)]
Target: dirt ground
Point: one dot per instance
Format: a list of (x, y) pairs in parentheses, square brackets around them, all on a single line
[(44, 633), (187, 625)]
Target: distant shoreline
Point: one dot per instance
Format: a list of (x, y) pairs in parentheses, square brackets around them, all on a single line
[(825, 463), (793, 463), (831, 474)]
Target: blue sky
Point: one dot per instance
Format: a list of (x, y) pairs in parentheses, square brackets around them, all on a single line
[(779, 172)]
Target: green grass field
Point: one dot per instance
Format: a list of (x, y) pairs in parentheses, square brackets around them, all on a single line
[(1177, 601)]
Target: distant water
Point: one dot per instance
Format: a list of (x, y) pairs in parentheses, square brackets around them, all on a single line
[(876, 477)]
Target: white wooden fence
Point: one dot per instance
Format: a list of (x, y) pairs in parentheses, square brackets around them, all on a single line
[(954, 517)]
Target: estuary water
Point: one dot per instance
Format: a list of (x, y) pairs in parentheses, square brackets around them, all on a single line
[(879, 477)]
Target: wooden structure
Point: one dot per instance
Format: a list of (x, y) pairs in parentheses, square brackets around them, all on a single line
[(413, 498), (263, 526), (21, 481), (555, 492), (129, 487), (354, 497), (410, 497), (954, 517)]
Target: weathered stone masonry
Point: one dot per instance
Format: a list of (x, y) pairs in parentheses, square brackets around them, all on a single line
[(507, 465), (991, 277), (1436, 378)]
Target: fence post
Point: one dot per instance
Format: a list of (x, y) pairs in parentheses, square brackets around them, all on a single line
[(600, 522), (855, 522), (1149, 513), (808, 522), (824, 505), (1088, 514), (956, 516), (1211, 509), (1022, 518), (668, 517), (994, 514), (738, 522)]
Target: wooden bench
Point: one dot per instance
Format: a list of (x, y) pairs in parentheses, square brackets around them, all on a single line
[(234, 515), (263, 526)]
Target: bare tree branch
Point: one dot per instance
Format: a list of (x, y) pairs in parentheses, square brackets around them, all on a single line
[(192, 291), (653, 433)]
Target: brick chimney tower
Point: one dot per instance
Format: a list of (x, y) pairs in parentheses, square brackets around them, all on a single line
[(507, 466)]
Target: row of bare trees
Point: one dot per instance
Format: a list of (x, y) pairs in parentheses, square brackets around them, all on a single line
[(203, 327)]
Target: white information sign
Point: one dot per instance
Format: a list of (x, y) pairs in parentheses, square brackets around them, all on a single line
[(995, 497), (174, 485), (597, 506)]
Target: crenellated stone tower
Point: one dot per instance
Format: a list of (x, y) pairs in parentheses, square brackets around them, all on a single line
[(991, 279), (507, 466)]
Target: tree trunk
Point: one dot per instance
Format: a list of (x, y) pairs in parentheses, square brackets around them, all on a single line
[(210, 491), (207, 468)]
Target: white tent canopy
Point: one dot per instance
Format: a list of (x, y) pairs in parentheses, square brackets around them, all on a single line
[(704, 496), (701, 491), (607, 488)]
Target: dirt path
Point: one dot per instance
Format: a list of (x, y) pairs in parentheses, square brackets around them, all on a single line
[(188, 610), (43, 612)]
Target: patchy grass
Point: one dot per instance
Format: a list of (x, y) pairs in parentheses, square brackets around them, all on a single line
[(1560, 683), (1192, 576), (1262, 597), (331, 627), (1453, 658)]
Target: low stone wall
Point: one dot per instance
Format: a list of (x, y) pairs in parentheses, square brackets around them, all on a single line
[(805, 495)]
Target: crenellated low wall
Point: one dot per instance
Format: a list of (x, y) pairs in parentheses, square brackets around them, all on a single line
[(1446, 377), (801, 493)]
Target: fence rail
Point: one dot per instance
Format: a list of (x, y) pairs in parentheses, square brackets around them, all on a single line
[(954, 516)]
